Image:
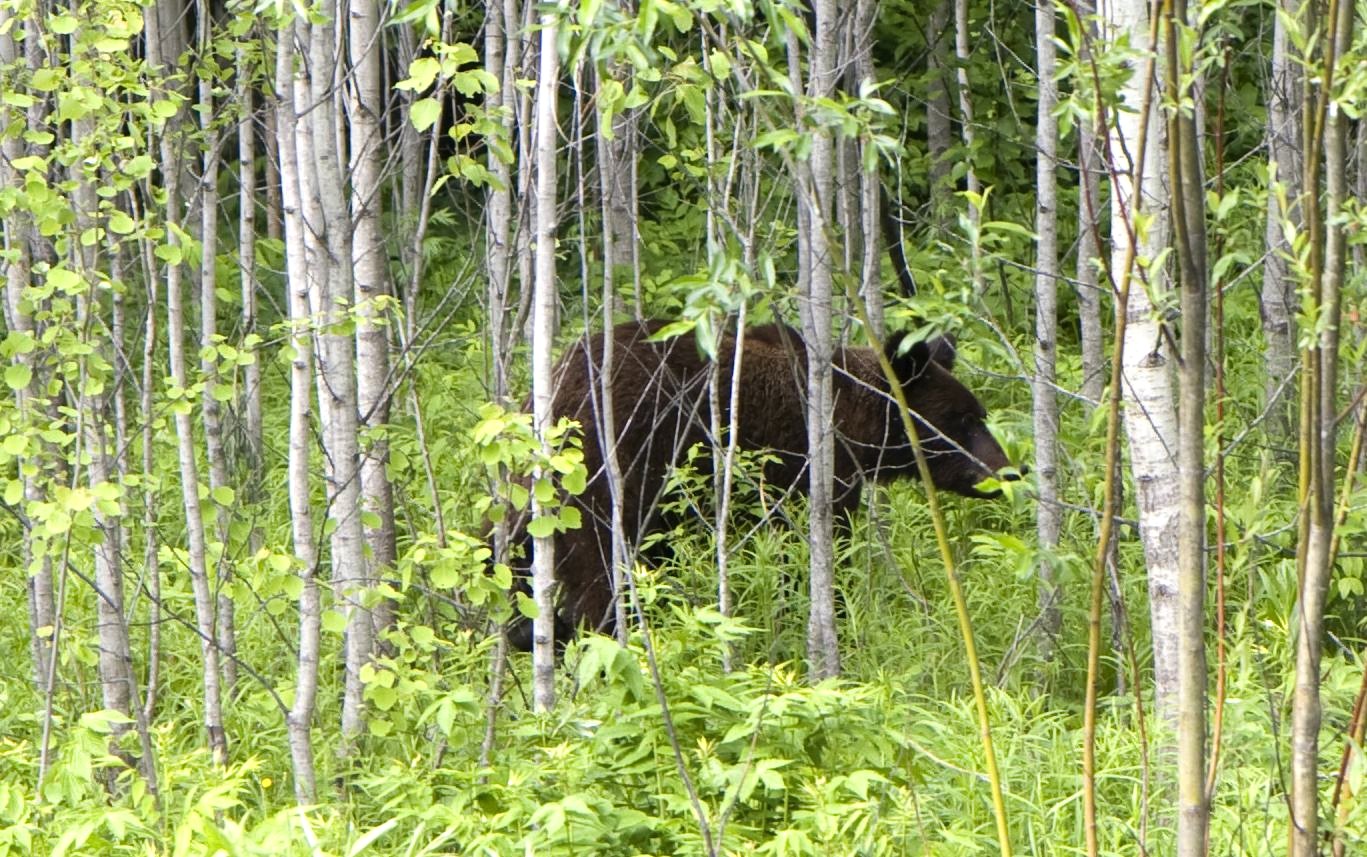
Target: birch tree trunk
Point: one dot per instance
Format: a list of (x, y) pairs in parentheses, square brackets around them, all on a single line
[(299, 722), (165, 40), (1150, 415), (20, 237), (498, 211), (211, 415), (328, 246), (252, 464), (967, 131), (870, 265), (1279, 302), (544, 288), (115, 659), (1091, 175), (815, 186), (1189, 231), (938, 134), (1048, 514), (365, 107), (205, 608)]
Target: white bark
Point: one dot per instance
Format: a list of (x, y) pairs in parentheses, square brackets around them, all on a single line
[(210, 409), (300, 719), (18, 234), (205, 608), (1150, 415), (1048, 512), (546, 136), (328, 241), (967, 131), (1279, 302), (365, 107), (815, 196), (246, 254), (1091, 176)]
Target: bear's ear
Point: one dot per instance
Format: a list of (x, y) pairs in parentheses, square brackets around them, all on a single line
[(910, 360), (942, 350)]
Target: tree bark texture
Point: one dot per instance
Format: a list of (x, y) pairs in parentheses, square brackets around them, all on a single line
[(299, 722), (1048, 513), (1278, 301), (370, 263), (546, 136), (816, 189), (1150, 415)]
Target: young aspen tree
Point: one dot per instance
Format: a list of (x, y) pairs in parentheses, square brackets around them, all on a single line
[(546, 136), (1049, 514), (290, 87)]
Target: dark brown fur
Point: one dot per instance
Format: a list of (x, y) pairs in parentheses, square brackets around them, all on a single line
[(660, 404)]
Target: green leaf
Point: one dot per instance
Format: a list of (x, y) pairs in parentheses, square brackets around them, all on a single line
[(425, 113), (121, 224), (17, 376), (223, 495), (542, 526), (333, 621)]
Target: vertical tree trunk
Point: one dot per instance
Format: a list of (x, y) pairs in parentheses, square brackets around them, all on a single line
[(967, 132), (1319, 432), (115, 659), (544, 288), (165, 42), (1091, 175), (289, 85), (870, 265), (498, 211), (205, 609), (938, 134), (1150, 416), (252, 465), (365, 107), (1189, 231), (1048, 514), (328, 245), (20, 236), (815, 186), (1279, 301), (211, 414)]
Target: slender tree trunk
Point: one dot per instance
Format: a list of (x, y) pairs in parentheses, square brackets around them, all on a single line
[(870, 188), (1048, 513), (498, 210), (115, 660), (205, 608), (967, 132), (546, 136), (939, 137), (211, 414), (1279, 302), (19, 237), (165, 43), (299, 722), (1319, 433), (1150, 415), (328, 244), (365, 108), (617, 189), (815, 184), (253, 463), (1091, 176), (1189, 231)]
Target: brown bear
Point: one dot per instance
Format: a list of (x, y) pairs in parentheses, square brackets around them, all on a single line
[(660, 404)]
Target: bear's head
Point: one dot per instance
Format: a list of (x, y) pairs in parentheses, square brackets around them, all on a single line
[(949, 419)]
